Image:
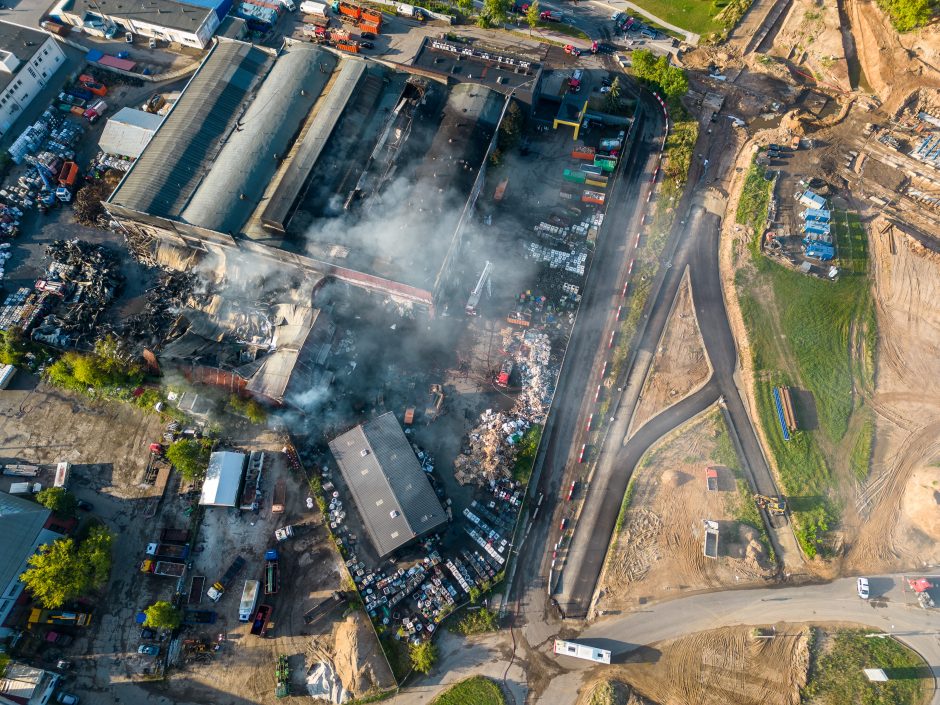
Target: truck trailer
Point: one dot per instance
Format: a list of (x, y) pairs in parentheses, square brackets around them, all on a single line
[(170, 535), (215, 592), (59, 617), (170, 569), (171, 551), (272, 578), (280, 496), (246, 607)]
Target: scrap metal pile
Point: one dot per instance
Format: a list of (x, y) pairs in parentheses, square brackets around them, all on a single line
[(164, 301), (84, 278), (490, 452)]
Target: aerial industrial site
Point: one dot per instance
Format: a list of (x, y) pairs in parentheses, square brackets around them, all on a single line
[(476, 353)]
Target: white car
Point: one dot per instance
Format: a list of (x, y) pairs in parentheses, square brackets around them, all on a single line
[(605, 89), (862, 587)]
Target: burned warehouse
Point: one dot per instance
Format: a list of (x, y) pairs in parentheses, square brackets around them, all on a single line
[(335, 166)]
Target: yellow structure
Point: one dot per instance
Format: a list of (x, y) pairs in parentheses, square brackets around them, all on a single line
[(575, 123)]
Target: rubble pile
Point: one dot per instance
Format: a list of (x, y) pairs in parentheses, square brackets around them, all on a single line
[(486, 456), (164, 301), (85, 278)]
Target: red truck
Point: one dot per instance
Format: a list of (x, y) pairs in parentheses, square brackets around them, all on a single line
[(502, 379)]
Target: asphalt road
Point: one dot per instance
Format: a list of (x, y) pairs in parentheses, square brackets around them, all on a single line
[(892, 609), (575, 394), (696, 247)]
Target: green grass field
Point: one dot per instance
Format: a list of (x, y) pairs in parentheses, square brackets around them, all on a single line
[(473, 691), (836, 676), (752, 208), (693, 15)]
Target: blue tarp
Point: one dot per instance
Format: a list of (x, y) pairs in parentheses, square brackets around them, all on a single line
[(93, 55), (221, 7)]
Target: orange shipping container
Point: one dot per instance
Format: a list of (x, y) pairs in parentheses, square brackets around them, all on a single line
[(583, 153), (370, 27), (348, 46), (69, 174), (500, 190), (350, 10)]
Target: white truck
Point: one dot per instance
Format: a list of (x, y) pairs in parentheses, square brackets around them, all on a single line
[(62, 471), (249, 599), (317, 9), (25, 488)]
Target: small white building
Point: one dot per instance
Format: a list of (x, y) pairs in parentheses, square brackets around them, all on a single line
[(28, 60), (223, 479), (25, 685), (128, 131)]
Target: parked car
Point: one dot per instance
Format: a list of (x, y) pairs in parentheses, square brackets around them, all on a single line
[(367, 45), (85, 506), (367, 35), (862, 587), (148, 649), (67, 699)]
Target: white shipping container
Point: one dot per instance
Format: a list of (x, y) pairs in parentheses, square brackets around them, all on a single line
[(313, 8), (249, 599), (25, 488)]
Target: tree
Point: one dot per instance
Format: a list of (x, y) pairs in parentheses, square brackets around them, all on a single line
[(466, 7), (474, 594), (56, 574), (4, 662), (12, 347), (908, 14), (162, 615), (532, 15), (495, 12), (59, 500), (190, 457), (95, 554), (423, 656), (613, 96)]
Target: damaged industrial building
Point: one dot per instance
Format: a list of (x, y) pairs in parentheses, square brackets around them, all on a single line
[(335, 166)]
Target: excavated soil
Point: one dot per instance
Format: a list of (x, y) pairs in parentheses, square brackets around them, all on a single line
[(659, 551), (899, 503), (680, 365), (730, 666)]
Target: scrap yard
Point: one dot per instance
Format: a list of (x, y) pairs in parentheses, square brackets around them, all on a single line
[(415, 351)]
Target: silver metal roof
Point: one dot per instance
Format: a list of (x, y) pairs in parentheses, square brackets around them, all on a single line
[(186, 145), (393, 495), (21, 520), (128, 132), (260, 140), (223, 477)]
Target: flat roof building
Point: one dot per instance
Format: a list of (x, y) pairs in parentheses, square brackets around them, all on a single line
[(22, 684), (393, 495), (29, 58), (328, 163), (190, 23), (223, 479), (128, 132)]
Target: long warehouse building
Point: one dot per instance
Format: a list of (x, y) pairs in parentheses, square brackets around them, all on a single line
[(335, 164)]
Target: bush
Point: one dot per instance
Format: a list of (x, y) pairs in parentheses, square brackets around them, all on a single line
[(478, 621), (423, 656), (660, 75), (249, 408), (190, 457), (107, 367), (526, 451), (907, 14)]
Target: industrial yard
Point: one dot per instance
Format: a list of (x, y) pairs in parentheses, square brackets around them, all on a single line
[(350, 350)]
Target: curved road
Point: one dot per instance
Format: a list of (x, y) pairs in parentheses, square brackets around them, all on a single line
[(892, 609)]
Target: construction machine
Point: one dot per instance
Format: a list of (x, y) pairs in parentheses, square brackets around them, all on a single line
[(774, 505)]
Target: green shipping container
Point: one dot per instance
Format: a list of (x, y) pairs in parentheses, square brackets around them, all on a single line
[(608, 164), (576, 177)]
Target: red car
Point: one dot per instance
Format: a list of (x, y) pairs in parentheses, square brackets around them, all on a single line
[(573, 50)]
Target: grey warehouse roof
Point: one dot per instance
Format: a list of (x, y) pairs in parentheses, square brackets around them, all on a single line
[(20, 524), (22, 42), (253, 151), (166, 174), (391, 491), (128, 132), (160, 13)]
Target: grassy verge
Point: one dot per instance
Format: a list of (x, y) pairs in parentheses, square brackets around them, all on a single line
[(477, 620), (473, 691), (525, 458), (397, 654), (625, 505), (562, 28), (712, 19), (755, 198), (836, 676)]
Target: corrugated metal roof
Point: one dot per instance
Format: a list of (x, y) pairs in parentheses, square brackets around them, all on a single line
[(393, 495), (222, 479), (252, 153), (128, 132), (167, 173), (20, 523)]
